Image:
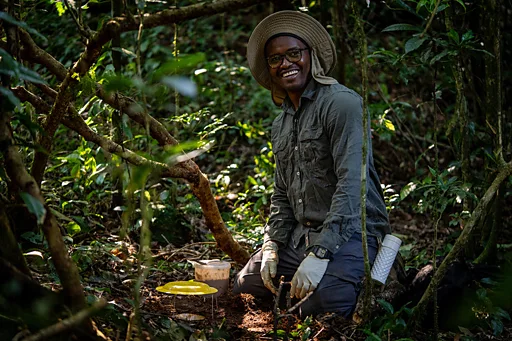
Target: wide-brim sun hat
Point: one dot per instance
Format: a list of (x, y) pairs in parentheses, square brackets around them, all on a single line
[(323, 51)]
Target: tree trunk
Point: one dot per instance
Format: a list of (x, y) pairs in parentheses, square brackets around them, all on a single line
[(68, 273), (338, 23)]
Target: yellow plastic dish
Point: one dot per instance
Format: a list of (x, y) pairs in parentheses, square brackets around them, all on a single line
[(187, 288)]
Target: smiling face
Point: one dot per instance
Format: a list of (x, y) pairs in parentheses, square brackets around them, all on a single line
[(292, 77)]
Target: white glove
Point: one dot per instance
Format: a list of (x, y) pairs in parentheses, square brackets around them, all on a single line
[(308, 275), (269, 260)]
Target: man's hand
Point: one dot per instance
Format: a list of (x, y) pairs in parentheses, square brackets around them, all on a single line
[(269, 260), (308, 275)]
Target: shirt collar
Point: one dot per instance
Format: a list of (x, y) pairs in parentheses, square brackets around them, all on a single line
[(309, 93)]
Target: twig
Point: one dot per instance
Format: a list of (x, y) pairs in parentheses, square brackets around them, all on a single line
[(77, 20), (363, 53), (130, 327), (316, 335), (289, 311), (436, 212), (68, 323), (432, 15), (277, 315), (172, 253)]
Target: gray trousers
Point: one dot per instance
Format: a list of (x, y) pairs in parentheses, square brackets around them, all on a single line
[(337, 291)]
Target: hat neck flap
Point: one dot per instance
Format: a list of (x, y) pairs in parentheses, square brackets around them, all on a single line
[(317, 71)]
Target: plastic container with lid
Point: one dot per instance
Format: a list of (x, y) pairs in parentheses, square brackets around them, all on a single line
[(213, 272), (385, 258)]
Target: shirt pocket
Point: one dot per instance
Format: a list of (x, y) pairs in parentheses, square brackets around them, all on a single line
[(315, 153), (309, 143)]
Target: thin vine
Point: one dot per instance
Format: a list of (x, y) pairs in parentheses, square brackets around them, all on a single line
[(363, 52)]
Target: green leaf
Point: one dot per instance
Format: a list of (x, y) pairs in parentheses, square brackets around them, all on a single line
[(432, 171), (501, 313), (82, 223), (73, 228), (75, 171), (402, 27), (454, 36), (488, 281), (386, 305), (408, 8), (10, 67), (439, 56), (182, 65), (29, 75), (483, 51), (481, 293), (372, 336), (8, 93), (413, 44), (421, 3), (252, 181), (61, 9), (465, 331), (461, 3), (34, 206), (441, 8), (6, 17), (389, 125), (32, 237), (408, 189), (468, 36), (497, 327), (117, 83)]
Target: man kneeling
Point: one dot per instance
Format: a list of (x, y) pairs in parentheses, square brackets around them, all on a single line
[(313, 235)]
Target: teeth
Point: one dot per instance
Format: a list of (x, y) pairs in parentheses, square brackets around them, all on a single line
[(289, 73)]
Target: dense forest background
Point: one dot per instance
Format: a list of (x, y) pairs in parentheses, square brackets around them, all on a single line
[(134, 138)]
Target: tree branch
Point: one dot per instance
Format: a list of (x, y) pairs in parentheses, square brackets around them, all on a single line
[(116, 26), (69, 323), (33, 53), (199, 183), (189, 170)]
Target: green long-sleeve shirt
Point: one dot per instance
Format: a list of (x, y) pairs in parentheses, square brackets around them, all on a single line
[(318, 153)]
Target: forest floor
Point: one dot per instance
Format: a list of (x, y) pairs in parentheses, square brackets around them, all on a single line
[(242, 317)]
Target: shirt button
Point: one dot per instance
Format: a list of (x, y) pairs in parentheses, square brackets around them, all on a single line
[(337, 246), (300, 200), (298, 173), (296, 147)]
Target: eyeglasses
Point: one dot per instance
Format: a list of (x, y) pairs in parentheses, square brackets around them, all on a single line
[(293, 56)]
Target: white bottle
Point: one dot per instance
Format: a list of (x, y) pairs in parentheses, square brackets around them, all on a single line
[(385, 258)]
